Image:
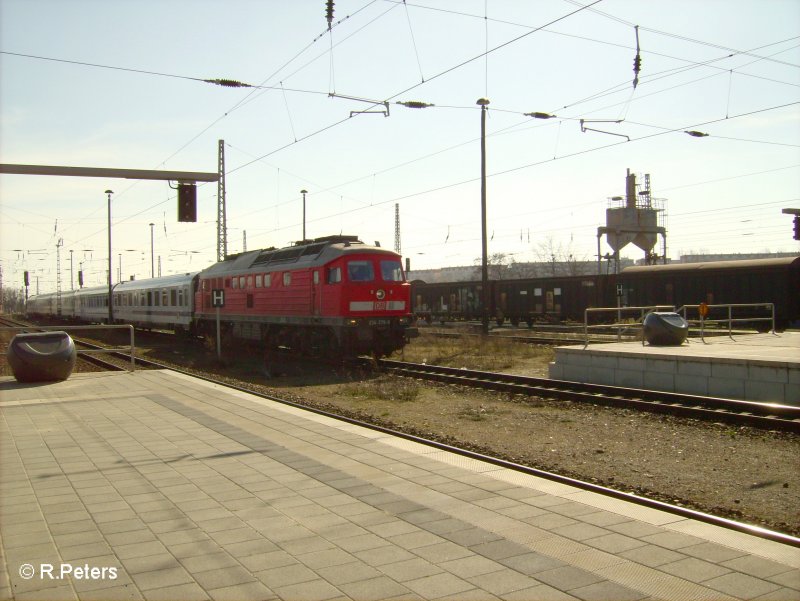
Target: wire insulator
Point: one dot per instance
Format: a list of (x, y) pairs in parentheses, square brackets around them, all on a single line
[(228, 83), (329, 12)]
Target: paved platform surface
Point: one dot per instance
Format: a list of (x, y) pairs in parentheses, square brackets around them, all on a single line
[(154, 485), (782, 348)]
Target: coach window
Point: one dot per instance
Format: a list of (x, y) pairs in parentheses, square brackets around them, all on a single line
[(360, 271), (173, 297), (287, 278), (391, 271), (156, 298), (334, 275), (165, 298)]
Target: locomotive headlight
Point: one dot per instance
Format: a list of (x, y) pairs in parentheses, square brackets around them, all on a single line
[(352, 322), (380, 294)]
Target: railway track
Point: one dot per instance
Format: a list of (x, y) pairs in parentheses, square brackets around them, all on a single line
[(761, 415)]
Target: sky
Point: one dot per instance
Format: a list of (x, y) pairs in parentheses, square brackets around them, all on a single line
[(92, 83)]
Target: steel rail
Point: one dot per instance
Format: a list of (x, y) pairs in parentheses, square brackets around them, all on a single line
[(763, 415)]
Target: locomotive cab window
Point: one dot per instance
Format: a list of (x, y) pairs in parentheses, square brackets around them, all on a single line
[(391, 271), (360, 271)]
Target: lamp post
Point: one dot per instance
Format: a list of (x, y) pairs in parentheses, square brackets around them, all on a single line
[(110, 304), (483, 103), (304, 192), (152, 254)]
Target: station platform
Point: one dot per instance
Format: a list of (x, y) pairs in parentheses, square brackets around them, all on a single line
[(155, 485), (751, 367)]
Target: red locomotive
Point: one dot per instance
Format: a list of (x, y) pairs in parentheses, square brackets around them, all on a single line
[(328, 296)]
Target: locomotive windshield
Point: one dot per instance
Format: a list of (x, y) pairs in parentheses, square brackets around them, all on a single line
[(391, 271), (360, 271)]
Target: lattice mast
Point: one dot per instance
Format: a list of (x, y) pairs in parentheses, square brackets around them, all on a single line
[(397, 228), (58, 275), (222, 227)]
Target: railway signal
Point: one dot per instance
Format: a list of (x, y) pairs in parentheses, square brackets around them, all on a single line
[(796, 213), (187, 202)]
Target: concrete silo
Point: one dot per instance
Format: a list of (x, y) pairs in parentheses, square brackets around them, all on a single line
[(637, 217)]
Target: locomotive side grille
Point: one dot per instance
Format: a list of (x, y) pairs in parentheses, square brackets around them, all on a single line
[(286, 255)]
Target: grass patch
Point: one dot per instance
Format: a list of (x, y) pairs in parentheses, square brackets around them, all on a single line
[(384, 388), (474, 352)]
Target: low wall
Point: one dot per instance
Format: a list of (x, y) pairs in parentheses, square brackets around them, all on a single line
[(741, 379)]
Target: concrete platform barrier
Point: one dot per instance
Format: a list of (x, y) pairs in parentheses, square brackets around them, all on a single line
[(42, 356)]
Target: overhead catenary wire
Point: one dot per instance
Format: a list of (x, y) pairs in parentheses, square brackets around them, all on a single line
[(729, 71)]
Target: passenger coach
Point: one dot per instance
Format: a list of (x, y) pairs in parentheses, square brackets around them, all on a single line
[(158, 303)]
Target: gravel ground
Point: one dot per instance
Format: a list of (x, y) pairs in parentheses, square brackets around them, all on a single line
[(738, 472)]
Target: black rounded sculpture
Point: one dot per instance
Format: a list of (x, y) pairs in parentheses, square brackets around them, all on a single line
[(42, 356), (665, 329)]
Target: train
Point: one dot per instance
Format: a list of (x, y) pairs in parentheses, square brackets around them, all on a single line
[(564, 299), (330, 296)]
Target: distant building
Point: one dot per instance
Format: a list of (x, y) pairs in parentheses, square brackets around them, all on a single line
[(542, 269), (514, 271), (733, 257)]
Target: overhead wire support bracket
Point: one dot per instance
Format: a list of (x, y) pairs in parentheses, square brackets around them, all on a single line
[(584, 129), (385, 103)]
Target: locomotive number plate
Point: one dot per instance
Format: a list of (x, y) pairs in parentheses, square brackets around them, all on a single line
[(380, 305), (379, 322)]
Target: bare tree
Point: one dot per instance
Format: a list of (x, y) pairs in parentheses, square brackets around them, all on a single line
[(561, 260), (497, 266)]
